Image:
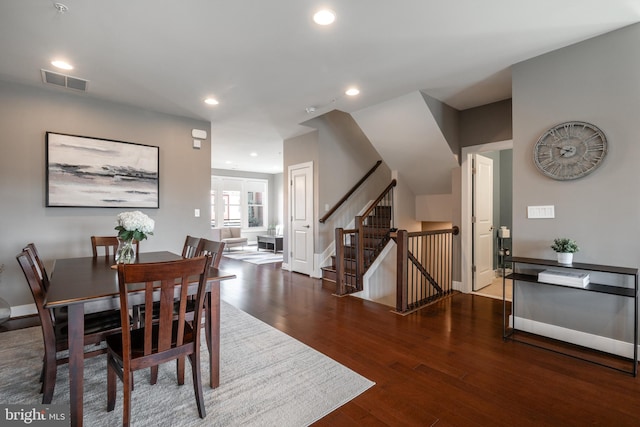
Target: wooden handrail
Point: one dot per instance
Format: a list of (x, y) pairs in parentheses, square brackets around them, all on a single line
[(349, 193), (380, 197)]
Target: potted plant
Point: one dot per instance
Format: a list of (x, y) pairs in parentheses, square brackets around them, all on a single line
[(565, 249)]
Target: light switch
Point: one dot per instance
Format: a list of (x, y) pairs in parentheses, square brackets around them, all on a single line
[(196, 212), (541, 212), (197, 143)]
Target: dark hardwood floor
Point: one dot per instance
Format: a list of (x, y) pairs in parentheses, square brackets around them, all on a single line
[(446, 365)]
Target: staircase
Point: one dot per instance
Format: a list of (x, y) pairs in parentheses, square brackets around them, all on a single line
[(357, 249)]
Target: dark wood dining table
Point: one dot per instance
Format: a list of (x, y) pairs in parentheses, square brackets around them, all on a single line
[(76, 282)]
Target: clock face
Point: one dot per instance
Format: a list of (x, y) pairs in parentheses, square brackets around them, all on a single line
[(570, 150)]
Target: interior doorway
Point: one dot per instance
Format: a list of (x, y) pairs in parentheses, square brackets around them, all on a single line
[(484, 212), (301, 230)]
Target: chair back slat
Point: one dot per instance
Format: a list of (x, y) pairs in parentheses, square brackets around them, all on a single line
[(37, 261), (110, 245), (168, 281), (38, 291), (212, 248), (190, 248)]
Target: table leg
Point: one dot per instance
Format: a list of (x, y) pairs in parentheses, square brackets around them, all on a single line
[(76, 362), (213, 341)]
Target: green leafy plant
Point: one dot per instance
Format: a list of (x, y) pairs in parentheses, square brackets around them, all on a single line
[(565, 245)]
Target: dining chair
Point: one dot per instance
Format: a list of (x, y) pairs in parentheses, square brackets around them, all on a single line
[(158, 340), (33, 253), (190, 247), (55, 329), (213, 248), (110, 245)]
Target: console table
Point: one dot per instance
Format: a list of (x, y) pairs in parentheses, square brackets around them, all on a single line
[(620, 291), (270, 242)]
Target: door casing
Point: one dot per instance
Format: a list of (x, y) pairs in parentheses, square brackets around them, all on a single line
[(466, 240)]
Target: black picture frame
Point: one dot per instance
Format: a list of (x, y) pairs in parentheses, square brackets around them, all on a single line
[(101, 173)]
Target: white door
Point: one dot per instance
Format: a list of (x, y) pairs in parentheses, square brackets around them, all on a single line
[(301, 216), (483, 222)]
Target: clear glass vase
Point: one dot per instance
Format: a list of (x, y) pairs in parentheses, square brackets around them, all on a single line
[(126, 253)]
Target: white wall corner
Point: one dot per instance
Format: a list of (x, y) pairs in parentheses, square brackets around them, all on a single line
[(458, 286), (316, 273)]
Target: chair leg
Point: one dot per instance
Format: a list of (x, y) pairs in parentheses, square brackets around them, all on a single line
[(154, 375), (111, 385), (180, 370), (197, 382), (50, 369), (42, 377), (207, 320), (126, 403)]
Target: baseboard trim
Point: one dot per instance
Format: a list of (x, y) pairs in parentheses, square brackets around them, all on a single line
[(23, 310), (596, 342), (458, 286)]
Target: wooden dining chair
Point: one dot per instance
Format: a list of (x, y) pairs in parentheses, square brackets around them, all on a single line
[(162, 340), (190, 247), (54, 329), (33, 253), (213, 248), (109, 244)]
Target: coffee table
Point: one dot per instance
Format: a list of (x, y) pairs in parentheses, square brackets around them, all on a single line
[(270, 242)]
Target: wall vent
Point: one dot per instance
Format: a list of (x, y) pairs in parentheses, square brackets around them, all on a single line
[(64, 81)]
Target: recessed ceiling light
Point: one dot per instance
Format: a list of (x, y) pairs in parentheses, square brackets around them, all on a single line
[(254, 154), (352, 91), (211, 101), (228, 162), (62, 65), (324, 17)]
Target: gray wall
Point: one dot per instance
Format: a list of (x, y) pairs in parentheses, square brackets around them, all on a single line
[(26, 113), (448, 119), (594, 81), (487, 123)]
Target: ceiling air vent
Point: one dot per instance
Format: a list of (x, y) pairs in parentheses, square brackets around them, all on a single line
[(64, 80)]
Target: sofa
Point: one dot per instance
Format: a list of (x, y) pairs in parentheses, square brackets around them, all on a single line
[(231, 236)]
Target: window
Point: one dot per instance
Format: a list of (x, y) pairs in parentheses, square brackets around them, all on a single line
[(255, 204), (239, 202), (232, 208)]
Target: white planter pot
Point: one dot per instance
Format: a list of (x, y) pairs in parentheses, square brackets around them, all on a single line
[(565, 258)]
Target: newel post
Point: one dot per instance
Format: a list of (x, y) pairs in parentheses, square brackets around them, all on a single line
[(340, 290), (402, 241)]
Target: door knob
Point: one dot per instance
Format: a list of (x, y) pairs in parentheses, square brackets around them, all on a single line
[(306, 226)]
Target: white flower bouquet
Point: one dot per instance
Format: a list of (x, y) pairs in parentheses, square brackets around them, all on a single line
[(134, 225)]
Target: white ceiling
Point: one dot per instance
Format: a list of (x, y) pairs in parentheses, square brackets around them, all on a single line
[(266, 61)]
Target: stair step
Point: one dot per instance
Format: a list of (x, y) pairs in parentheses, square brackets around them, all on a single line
[(328, 274), (377, 221)]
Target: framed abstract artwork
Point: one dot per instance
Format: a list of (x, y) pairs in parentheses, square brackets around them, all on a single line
[(93, 172)]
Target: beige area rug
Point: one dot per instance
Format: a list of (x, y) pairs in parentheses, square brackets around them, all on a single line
[(253, 255), (267, 379)]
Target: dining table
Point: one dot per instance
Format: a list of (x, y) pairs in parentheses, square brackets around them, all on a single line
[(83, 283)]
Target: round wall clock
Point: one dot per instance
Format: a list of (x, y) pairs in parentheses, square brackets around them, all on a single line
[(570, 150)]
